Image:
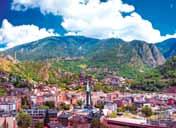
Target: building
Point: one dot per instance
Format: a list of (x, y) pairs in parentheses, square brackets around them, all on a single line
[(39, 115), (42, 94), (114, 80), (8, 122), (9, 105), (64, 119)]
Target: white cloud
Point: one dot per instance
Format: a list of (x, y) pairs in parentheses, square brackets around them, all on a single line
[(16, 35), (97, 19)]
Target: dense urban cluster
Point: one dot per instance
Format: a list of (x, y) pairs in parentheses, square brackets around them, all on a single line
[(48, 106)]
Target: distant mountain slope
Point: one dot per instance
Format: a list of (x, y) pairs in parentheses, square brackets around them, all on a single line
[(53, 47), (111, 50), (169, 68), (168, 47)]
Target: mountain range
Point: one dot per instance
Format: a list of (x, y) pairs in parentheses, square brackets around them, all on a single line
[(59, 60), (95, 50), (114, 54)]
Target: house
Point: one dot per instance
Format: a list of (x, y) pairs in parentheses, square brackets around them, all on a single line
[(64, 118), (52, 115), (69, 97), (42, 94), (42, 114), (79, 121), (19, 92), (9, 104), (109, 107), (8, 122), (112, 96), (38, 115), (114, 80)]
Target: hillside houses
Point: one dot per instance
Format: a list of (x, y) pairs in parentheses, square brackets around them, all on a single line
[(42, 94), (114, 80)]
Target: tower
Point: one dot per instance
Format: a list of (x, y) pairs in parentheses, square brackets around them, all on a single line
[(88, 95)]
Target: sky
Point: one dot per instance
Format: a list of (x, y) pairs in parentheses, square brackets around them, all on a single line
[(23, 21)]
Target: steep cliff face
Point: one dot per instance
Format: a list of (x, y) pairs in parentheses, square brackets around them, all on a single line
[(149, 53), (159, 58), (135, 53)]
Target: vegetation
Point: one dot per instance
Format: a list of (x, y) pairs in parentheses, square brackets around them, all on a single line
[(24, 120), (74, 54), (39, 124), (168, 70), (43, 107), (2, 92), (64, 106), (147, 111), (130, 63), (80, 103), (49, 104), (95, 123), (131, 108), (25, 102), (99, 105), (121, 109), (112, 115)]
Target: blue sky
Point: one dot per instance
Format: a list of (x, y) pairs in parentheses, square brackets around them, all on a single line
[(160, 12), (148, 20)]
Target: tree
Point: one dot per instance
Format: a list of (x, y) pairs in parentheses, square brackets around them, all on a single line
[(24, 120), (39, 124), (64, 106), (43, 107), (100, 105), (147, 111), (131, 108), (80, 103), (50, 104), (113, 115), (95, 123), (121, 109)]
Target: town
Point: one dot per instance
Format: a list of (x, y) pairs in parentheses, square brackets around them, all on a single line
[(87, 64), (47, 106)]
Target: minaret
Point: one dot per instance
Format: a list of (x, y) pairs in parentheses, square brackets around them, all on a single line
[(88, 95)]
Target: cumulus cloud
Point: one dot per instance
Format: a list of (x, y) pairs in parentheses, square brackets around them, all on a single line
[(15, 35), (97, 19)]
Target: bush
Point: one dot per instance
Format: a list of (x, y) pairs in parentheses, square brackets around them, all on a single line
[(64, 106), (147, 111), (39, 124), (113, 115), (24, 120)]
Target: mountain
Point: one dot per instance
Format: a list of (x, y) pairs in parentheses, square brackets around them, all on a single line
[(134, 52), (40, 71), (53, 47), (114, 51), (168, 70), (168, 47)]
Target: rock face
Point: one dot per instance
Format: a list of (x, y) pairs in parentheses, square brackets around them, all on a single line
[(111, 50), (148, 53), (158, 57)]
